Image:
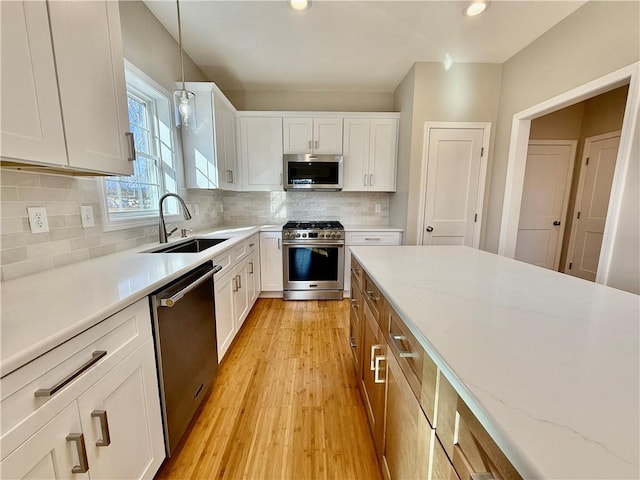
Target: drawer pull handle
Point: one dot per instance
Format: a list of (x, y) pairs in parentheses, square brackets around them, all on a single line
[(78, 438), (104, 428), (252, 245), (352, 342), (372, 296), (376, 377), (481, 476), (396, 339), (48, 392), (372, 239)]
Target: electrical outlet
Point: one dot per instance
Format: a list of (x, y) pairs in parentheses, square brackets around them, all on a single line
[(38, 219), (86, 214), (378, 208)]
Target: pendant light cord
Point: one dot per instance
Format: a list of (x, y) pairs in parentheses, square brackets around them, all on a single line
[(180, 42)]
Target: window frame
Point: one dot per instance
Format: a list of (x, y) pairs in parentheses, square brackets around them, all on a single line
[(141, 86)]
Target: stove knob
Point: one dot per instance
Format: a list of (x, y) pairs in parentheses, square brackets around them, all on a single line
[(333, 235), (339, 235), (304, 235), (297, 235)]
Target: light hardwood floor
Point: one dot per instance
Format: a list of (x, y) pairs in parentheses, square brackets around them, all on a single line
[(285, 404)]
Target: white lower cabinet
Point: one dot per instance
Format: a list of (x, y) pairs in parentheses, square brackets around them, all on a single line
[(115, 412), (353, 238), (271, 262), (104, 423), (47, 453), (236, 290)]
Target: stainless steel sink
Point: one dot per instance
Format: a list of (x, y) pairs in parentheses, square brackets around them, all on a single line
[(193, 245)]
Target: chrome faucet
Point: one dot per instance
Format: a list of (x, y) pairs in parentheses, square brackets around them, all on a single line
[(162, 229)]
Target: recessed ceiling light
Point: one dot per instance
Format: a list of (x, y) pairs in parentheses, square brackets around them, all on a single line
[(476, 8), (300, 4)]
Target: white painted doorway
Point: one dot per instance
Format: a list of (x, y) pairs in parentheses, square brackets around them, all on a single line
[(545, 198), (592, 202), (455, 163)]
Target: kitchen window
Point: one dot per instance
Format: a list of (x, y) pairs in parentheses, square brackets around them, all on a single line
[(133, 200)]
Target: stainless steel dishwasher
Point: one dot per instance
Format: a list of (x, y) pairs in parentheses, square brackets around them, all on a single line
[(184, 328)]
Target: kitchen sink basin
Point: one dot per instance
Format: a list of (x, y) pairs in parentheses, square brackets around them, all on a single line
[(191, 246)]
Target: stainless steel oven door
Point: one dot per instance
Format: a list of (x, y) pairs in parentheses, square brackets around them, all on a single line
[(313, 267)]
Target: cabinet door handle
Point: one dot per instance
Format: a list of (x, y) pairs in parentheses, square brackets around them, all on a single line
[(78, 438), (364, 180), (310, 147), (235, 287), (372, 366), (370, 294), (317, 144), (376, 370), (371, 180), (251, 265), (232, 179), (239, 281), (132, 146), (354, 303), (48, 392), (352, 342), (278, 244), (104, 428)]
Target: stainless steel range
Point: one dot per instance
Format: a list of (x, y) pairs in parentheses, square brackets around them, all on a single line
[(313, 255)]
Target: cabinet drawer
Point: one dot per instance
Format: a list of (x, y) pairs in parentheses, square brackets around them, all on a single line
[(476, 452), (224, 260), (118, 335), (239, 251), (407, 351), (374, 299), (373, 238), (252, 243), (357, 274)]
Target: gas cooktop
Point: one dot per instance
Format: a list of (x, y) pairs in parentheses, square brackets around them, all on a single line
[(313, 231), (321, 225)]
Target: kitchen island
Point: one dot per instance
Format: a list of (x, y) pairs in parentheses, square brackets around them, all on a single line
[(548, 363)]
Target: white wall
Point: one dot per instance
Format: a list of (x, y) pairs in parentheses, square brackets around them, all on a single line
[(329, 101), (465, 93), (598, 38)]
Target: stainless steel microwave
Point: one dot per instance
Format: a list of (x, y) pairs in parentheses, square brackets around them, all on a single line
[(310, 172)]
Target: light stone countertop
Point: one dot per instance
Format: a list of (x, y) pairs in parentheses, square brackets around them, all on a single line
[(548, 363), (41, 311)]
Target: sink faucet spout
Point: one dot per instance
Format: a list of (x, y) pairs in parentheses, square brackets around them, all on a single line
[(162, 228)]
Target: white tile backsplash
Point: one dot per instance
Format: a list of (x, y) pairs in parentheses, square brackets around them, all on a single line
[(23, 253)]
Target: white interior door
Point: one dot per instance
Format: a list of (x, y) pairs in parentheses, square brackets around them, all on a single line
[(454, 170), (592, 202), (545, 198)]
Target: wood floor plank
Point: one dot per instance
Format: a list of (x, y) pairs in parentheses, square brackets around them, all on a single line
[(285, 403)]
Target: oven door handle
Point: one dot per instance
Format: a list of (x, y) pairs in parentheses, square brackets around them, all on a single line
[(173, 299), (307, 245)]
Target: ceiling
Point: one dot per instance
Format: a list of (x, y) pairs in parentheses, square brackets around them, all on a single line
[(347, 45)]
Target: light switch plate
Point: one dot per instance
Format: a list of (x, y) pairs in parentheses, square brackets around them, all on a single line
[(38, 219), (86, 214)]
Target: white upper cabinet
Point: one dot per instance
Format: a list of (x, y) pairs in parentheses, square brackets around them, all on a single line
[(31, 118), (370, 154), (210, 151), (85, 52), (322, 135), (260, 142)]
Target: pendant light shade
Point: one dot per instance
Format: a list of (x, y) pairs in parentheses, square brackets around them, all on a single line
[(183, 99)]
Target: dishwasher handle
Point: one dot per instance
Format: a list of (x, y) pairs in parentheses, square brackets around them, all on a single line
[(173, 299)]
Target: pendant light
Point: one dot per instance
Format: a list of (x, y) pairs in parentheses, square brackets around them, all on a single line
[(185, 101)]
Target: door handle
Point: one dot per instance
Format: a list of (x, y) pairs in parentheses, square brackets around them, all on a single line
[(557, 223), (429, 229)]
